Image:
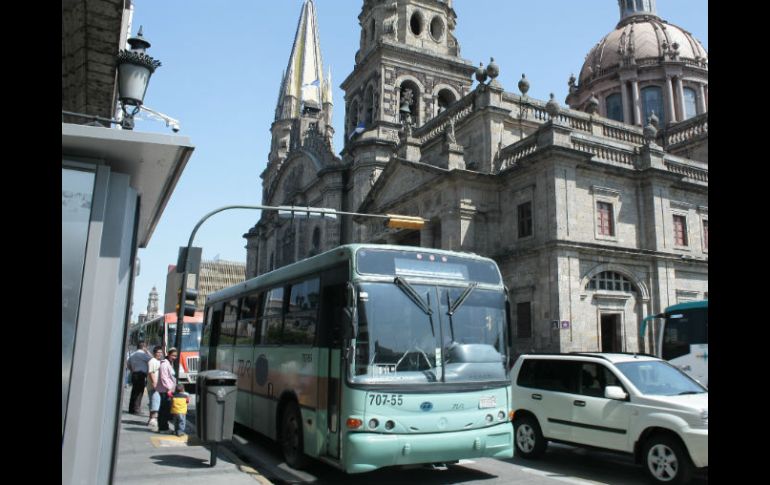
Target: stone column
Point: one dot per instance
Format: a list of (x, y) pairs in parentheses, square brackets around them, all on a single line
[(626, 104), (701, 99), (680, 95), (671, 118), (637, 103)]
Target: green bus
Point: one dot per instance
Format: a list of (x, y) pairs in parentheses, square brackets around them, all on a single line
[(369, 356)]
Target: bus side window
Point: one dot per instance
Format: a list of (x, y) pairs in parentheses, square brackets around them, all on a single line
[(272, 317), (302, 315), (246, 322), (214, 327), (258, 316), (229, 320)]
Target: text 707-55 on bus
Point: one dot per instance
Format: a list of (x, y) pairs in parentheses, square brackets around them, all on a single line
[(369, 356)]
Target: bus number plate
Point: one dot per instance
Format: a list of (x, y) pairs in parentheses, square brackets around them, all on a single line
[(386, 399), (488, 402)]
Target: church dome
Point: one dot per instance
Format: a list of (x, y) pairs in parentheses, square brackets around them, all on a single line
[(645, 66), (642, 39)]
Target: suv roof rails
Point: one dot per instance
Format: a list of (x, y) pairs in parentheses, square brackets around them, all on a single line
[(601, 354)]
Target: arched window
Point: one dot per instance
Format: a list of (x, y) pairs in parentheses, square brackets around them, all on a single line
[(369, 104), (409, 95), (353, 117), (652, 101), (445, 99), (690, 101), (610, 281), (614, 105), (372, 30)]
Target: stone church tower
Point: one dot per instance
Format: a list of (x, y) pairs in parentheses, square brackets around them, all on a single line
[(407, 70), (302, 168)]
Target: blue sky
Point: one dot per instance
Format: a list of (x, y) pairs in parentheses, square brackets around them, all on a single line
[(221, 70)]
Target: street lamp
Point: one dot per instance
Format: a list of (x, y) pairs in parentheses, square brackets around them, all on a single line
[(134, 70)]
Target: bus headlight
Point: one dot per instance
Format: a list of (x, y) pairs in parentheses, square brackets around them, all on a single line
[(389, 425), (373, 423), (501, 415), (489, 418)]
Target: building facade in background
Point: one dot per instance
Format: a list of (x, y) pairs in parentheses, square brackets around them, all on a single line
[(214, 275), (596, 214)]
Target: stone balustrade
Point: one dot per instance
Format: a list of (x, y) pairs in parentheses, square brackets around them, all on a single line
[(510, 156), (685, 131), (604, 152), (687, 170), (437, 126)]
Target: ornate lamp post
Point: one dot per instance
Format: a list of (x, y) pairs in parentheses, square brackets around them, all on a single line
[(134, 70)]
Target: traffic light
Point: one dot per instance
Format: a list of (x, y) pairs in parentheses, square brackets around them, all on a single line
[(190, 296), (397, 221)]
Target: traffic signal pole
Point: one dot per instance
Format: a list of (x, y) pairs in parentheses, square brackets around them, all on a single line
[(392, 220)]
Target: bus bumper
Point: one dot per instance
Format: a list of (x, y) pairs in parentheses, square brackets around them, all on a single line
[(364, 452)]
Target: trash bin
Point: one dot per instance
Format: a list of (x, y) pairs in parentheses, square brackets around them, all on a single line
[(215, 405)]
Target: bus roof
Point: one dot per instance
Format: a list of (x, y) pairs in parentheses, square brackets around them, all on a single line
[(688, 306), (327, 259)]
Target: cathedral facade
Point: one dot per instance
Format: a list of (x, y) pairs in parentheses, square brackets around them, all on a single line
[(596, 213)]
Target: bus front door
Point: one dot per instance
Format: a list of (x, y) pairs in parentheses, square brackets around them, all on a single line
[(334, 298)]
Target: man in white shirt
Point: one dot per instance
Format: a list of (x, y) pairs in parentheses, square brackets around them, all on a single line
[(152, 381), (137, 364)]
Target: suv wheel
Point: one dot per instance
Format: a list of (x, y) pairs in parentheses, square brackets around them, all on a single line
[(528, 438), (666, 460)]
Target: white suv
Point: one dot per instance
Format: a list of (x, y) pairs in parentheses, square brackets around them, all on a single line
[(623, 402)]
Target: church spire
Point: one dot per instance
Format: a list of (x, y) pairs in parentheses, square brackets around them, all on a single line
[(630, 8), (303, 83)]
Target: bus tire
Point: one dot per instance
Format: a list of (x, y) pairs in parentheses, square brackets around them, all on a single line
[(528, 438), (291, 436)]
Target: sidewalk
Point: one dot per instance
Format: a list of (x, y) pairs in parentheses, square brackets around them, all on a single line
[(146, 458)]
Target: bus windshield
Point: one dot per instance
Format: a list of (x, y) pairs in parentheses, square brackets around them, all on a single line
[(429, 334), (191, 336)]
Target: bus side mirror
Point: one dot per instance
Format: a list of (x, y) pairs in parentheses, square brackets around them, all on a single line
[(349, 313), (508, 322)]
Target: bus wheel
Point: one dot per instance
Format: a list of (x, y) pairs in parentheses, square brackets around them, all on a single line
[(291, 437)]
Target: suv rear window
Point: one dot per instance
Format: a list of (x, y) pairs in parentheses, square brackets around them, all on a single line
[(549, 375)]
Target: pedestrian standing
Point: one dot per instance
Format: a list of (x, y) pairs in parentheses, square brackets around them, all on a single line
[(137, 364), (179, 402), (152, 381), (166, 387)]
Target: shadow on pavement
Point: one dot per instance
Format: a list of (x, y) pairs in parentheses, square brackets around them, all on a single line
[(181, 461)]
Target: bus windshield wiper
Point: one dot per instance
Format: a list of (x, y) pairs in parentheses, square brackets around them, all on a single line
[(454, 306), (412, 294), (461, 299)]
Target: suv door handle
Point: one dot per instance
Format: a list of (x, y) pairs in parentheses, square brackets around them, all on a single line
[(581, 404), (537, 397)]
